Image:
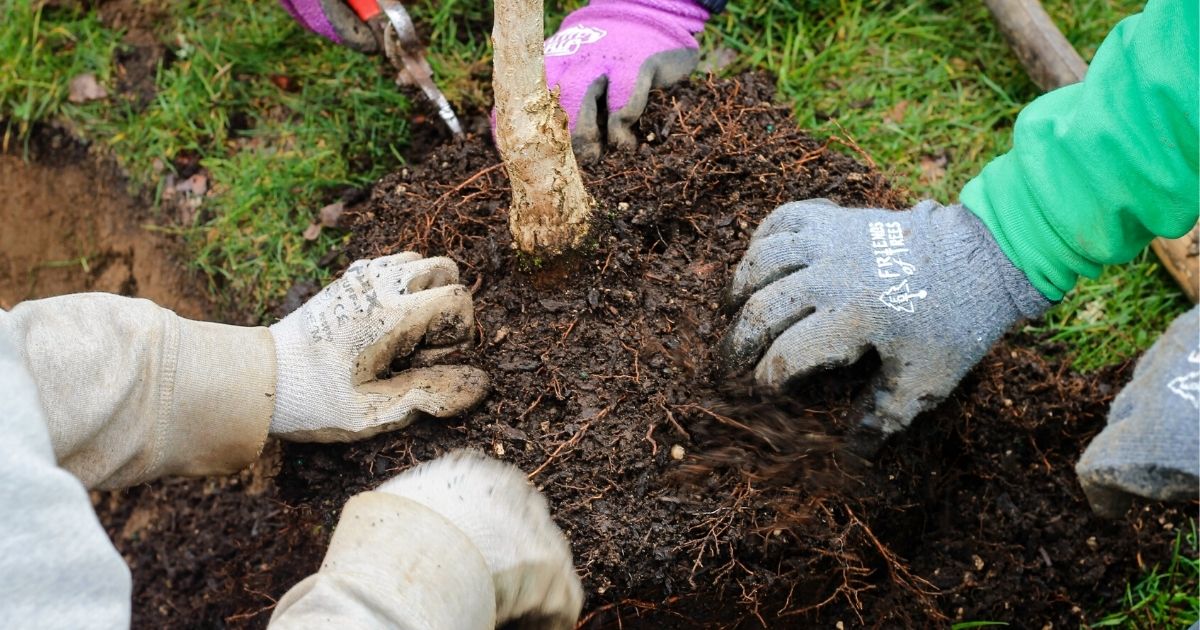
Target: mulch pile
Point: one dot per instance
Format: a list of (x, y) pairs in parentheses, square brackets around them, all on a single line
[(689, 500)]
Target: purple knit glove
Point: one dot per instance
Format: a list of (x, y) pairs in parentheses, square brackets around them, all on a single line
[(333, 20), (617, 50)]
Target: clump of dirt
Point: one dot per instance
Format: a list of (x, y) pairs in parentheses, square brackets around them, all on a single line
[(70, 226), (689, 501)]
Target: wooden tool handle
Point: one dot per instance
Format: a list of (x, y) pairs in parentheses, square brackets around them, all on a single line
[(1048, 57)]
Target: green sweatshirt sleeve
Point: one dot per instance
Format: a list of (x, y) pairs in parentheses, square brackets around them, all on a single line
[(1099, 168)]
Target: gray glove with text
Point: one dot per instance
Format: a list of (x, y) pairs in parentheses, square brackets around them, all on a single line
[(1151, 446), (928, 288)]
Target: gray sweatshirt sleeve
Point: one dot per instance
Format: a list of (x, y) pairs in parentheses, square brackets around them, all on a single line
[(57, 567), (131, 392), (103, 391)]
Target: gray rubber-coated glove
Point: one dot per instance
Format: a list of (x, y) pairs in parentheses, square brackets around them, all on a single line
[(606, 57), (928, 288), (334, 20), (1151, 446), (330, 352)]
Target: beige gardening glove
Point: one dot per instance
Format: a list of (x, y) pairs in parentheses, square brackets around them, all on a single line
[(331, 352), (461, 542), (508, 521)]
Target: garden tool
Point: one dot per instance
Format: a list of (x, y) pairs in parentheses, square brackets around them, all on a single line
[(398, 36)]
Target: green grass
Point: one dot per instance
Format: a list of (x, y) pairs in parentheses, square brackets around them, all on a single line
[(1115, 317), (1163, 598), (39, 57), (339, 124), (906, 80)]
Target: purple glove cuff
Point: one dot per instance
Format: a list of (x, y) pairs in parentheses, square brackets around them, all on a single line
[(309, 14)]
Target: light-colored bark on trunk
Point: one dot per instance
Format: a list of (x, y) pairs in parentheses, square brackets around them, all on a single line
[(551, 211)]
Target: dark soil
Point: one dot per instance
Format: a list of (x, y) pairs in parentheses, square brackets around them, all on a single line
[(603, 370)]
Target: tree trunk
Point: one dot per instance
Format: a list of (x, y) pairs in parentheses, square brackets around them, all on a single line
[(551, 211)]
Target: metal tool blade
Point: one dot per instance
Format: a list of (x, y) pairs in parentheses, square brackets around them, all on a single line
[(410, 56)]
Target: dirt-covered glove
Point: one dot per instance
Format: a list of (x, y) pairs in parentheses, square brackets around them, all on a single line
[(509, 523), (333, 20), (610, 54), (1151, 446), (330, 351), (928, 288)]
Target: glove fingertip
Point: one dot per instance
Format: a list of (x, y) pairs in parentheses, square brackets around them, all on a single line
[(733, 358), (1107, 503), (584, 122), (445, 391)]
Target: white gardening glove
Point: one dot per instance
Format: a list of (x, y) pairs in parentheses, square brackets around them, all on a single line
[(330, 351), (509, 522)]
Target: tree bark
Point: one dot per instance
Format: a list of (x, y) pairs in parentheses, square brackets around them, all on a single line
[(551, 211)]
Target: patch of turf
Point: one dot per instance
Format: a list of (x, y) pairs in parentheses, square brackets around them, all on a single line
[(929, 89), (1116, 316), (280, 119), (38, 59), (317, 117), (460, 47)]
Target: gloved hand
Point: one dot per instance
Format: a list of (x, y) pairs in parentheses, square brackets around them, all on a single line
[(509, 523), (462, 541), (1151, 446), (610, 54), (334, 20), (330, 351), (928, 288)]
